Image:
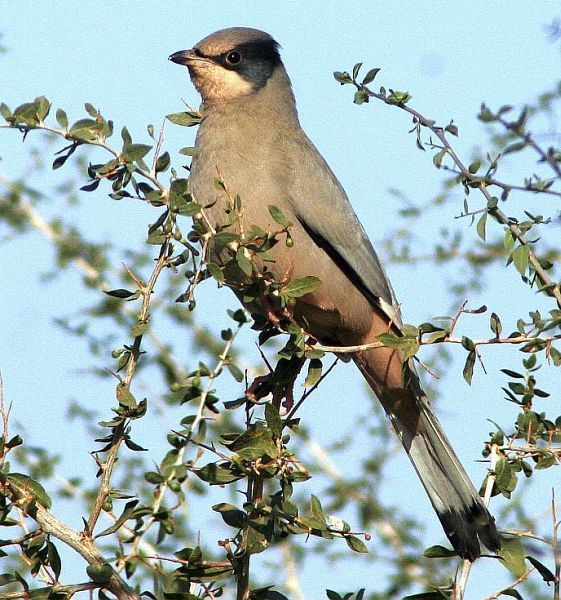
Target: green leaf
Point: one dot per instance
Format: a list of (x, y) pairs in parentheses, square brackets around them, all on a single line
[(516, 147), (243, 261), (62, 118), (139, 329), (157, 238), (119, 293), (154, 478), (495, 324), (185, 119), (355, 544), (317, 510), (26, 113), (215, 271), (257, 535), (31, 487), (254, 443), (439, 552), (5, 111), (520, 256), (451, 128), (301, 287), (214, 474), (44, 593), (163, 162), (99, 573), (480, 228), (468, 367), (546, 461), (314, 372), (236, 372), (474, 167), (90, 109), (437, 158), (54, 559), (223, 238), (512, 593), (512, 374), (187, 151), (128, 513), (279, 216), (342, 77), (135, 152), (398, 97), (370, 76), (361, 97), (274, 422), (124, 396), (555, 356), (43, 107), (408, 344), (512, 555), (506, 480), (546, 574), (231, 514), (85, 129)]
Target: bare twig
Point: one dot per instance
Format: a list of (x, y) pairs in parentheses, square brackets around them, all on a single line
[(461, 582), (520, 339), (555, 546), (518, 580)]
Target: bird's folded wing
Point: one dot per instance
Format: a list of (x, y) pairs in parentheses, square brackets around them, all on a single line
[(323, 209)]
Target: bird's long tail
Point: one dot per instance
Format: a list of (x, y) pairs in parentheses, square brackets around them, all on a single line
[(464, 517)]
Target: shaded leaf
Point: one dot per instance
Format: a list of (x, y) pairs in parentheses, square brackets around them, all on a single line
[(99, 573), (274, 422), (30, 486), (128, 513), (468, 367), (301, 287), (279, 216), (439, 552), (546, 574)]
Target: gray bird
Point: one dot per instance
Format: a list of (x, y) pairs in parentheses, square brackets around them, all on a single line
[(251, 137)]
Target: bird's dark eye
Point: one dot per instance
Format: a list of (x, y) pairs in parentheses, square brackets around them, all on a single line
[(233, 58)]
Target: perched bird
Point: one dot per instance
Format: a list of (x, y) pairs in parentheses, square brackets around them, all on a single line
[(250, 137)]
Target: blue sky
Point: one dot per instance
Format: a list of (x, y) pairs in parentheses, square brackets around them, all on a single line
[(449, 56)]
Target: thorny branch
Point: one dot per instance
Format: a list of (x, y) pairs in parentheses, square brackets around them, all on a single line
[(481, 184), (50, 525), (108, 465)]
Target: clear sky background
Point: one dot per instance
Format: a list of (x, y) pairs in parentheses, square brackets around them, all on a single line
[(449, 56)]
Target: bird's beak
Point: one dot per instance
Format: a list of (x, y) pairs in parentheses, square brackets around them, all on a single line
[(186, 57)]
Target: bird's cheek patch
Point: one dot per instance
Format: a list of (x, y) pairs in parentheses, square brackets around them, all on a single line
[(218, 84)]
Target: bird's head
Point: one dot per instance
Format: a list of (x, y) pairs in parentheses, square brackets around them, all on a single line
[(231, 63)]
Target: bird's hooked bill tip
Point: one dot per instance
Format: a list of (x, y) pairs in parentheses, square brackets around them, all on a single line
[(183, 57)]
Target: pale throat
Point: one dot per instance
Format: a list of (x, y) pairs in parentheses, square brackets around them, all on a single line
[(216, 84)]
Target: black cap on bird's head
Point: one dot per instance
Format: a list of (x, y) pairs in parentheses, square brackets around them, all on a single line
[(231, 63)]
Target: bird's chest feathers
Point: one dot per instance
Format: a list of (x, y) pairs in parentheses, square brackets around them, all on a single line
[(245, 158)]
